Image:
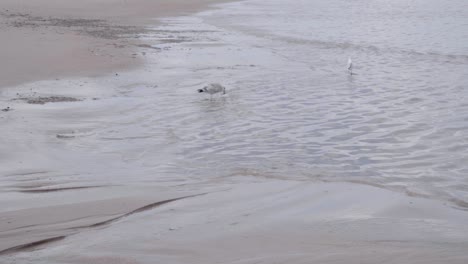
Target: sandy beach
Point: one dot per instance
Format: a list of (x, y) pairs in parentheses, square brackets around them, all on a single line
[(85, 38), (108, 154), (50, 41)]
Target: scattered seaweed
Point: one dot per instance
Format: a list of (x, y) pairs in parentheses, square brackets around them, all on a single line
[(48, 99)]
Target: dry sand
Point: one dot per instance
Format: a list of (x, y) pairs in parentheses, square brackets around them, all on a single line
[(54, 209), (49, 39)]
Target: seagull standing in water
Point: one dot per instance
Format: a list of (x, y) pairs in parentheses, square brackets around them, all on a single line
[(213, 88), (350, 66)]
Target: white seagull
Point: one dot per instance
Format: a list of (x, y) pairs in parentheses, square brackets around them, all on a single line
[(213, 88), (350, 66)]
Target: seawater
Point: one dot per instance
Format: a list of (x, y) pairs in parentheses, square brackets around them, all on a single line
[(291, 110)]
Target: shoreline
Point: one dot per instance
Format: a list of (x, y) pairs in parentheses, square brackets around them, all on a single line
[(78, 39), (136, 167)]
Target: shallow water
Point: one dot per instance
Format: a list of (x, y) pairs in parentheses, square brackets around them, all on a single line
[(291, 110)]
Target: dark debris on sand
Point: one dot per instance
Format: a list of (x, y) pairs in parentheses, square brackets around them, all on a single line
[(49, 99), (94, 27)]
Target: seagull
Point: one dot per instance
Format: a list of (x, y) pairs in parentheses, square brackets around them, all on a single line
[(350, 66), (213, 88)]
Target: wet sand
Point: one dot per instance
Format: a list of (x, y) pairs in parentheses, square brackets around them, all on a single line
[(51, 53), (81, 182), (257, 222)]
